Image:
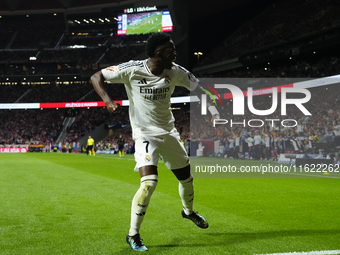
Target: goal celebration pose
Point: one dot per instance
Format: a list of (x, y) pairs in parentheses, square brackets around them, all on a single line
[(149, 84)]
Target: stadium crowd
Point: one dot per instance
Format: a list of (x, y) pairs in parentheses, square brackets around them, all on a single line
[(322, 126), (30, 126), (44, 126)]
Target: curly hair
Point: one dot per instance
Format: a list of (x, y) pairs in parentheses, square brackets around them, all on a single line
[(154, 41)]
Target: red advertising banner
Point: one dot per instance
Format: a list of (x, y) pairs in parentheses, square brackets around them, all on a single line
[(121, 32), (167, 28), (75, 104)]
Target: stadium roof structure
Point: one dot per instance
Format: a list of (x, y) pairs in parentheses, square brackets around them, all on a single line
[(198, 8), (41, 6)]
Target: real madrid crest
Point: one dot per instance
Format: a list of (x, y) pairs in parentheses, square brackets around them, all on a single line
[(147, 158), (167, 79)]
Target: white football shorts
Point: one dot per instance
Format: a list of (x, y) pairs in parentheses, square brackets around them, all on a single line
[(148, 149)]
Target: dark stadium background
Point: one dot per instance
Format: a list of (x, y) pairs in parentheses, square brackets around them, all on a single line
[(209, 22), (298, 39)]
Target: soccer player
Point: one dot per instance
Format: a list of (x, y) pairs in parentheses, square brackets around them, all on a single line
[(250, 142), (237, 144), (90, 148), (121, 143), (257, 141), (149, 84)]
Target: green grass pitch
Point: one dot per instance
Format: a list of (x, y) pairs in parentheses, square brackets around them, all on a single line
[(74, 204), (148, 25)]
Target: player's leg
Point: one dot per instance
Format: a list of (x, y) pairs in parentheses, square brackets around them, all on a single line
[(146, 156), (186, 188), (176, 159), (140, 202), (186, 192), (236, 152)]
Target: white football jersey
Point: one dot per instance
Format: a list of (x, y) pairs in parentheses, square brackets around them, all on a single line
[(149, 95), (257, 139)]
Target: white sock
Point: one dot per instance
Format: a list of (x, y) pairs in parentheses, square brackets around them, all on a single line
[(186, 191), (141, 201)]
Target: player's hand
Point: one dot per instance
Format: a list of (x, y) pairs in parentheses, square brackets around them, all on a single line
[(113, 107), (215, 117)]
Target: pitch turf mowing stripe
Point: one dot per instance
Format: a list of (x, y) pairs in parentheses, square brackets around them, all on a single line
[(306, 253), (44, 206), (73, 204), (51, 209)]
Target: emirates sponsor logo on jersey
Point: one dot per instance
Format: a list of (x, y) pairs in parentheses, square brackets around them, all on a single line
[(150, 90), (154, 93)]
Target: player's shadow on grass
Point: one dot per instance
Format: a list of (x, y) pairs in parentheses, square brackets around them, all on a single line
[(226, 238)]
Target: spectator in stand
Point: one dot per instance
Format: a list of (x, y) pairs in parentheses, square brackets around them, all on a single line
[(336, 128)]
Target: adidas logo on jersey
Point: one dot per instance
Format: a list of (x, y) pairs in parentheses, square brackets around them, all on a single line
[(143, 81)]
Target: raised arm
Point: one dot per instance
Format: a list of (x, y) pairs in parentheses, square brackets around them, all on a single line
[(97, 81), (210, 105)]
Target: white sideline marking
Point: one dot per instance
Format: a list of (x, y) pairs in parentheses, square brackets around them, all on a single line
[(313, 175), (113, 158), (306, 253)]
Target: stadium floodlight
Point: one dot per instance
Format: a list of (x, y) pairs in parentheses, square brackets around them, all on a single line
[(198, 54)]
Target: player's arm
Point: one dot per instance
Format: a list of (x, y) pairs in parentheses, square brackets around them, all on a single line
[(189, 81), (97, 81), (210, 105)]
